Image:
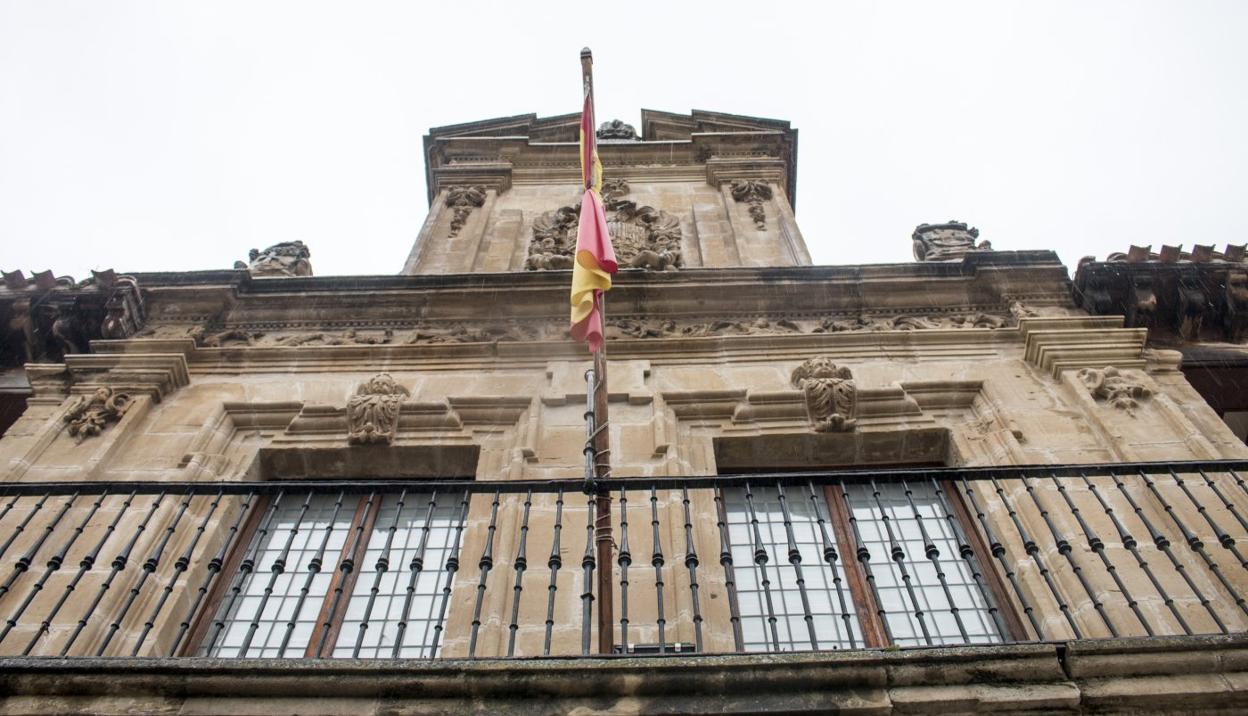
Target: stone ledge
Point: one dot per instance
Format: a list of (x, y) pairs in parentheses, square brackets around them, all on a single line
[(1187, 674)]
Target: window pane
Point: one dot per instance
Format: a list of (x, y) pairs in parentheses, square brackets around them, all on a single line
[(926, 598), (827, 592), (277, 611), (408, 602)]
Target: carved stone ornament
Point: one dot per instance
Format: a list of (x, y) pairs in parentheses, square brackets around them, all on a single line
[(1110, 385), (90, 414), (462, 200), (950, 241), (373, 412), (831, 396), (287, 259), (754, 193), (616, 129), (644, 237)]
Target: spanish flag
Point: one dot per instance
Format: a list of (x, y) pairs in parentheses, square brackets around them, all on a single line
[(595, 258)]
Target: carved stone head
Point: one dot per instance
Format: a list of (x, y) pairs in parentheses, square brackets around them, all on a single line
[(819, 368)]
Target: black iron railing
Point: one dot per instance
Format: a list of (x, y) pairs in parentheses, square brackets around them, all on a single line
[(778, 562)]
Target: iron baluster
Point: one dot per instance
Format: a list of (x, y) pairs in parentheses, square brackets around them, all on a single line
[(730, 583), (967, 553), (624, 560), (452, 566), (691, 563), (345, 567), (795, 559), (1063, 548), (932, 552), (276, 570), (380, 568), (760, 561), (554, 563), (999, 552), (1162, 543), (898, 555), (484, 566), (831, 557), (214, 567), (519, 565), (179, 566), (119, 563), (415, 566)]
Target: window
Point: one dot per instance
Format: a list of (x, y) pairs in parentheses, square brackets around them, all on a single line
[(333, 574), (879, 563)]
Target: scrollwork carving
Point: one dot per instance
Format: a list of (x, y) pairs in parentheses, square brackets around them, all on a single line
[(753, 193), (89, 415), (373, 412), (462, 200), (1111, 385), (830, 392)]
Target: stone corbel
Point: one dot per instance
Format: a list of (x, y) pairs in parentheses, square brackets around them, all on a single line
[(1141, 302), (1235, 315), (1192, 305)]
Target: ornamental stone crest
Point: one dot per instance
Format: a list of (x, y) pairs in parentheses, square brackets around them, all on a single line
[(373, 412), (287, 259), (616, 129), (1110, 385), (831, 395), (89, 415), (753, 193), (950, 241), (643, 237), (462, 200)]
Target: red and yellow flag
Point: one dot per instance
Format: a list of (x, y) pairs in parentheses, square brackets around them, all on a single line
[(595, 257)]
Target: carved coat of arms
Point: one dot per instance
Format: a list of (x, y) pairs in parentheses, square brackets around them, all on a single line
[(373, 412), (831, 396), (644, 237)]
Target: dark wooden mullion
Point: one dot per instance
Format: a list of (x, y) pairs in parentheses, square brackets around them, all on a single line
[(1005, 603), (225, 578), (866, 603), (347, 581)]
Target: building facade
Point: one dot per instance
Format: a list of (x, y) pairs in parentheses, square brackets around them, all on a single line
[(961, 484)]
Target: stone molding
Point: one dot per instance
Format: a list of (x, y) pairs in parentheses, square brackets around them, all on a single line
[(1156, 674)]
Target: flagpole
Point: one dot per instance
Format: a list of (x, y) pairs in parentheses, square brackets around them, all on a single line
[(603, 538)]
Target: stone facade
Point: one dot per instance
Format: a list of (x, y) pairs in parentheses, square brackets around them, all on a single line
[(728, 353)]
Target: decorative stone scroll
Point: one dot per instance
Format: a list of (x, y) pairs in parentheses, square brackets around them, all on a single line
[(754, 193), (89, 415), (462, 200), (1110, 385), (373, 412), (831, 395), (950, 241), (287, 259), (644, 237)]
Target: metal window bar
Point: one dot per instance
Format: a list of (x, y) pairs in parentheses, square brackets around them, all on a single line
[(368, 566)]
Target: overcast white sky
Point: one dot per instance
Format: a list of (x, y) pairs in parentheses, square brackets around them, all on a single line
[(177, 135)]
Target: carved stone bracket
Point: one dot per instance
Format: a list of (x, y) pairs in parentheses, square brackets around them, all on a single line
[(373, 412), (462, 200), (753, 193), (1111, 385), (830, 392), (90, 414)]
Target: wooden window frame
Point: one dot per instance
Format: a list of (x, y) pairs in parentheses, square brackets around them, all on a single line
[(866, 601), (363, 521)]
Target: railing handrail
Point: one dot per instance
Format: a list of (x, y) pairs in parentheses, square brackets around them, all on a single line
[(574, 485)]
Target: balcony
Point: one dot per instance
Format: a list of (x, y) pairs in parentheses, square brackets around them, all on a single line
[(1045, 587)]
